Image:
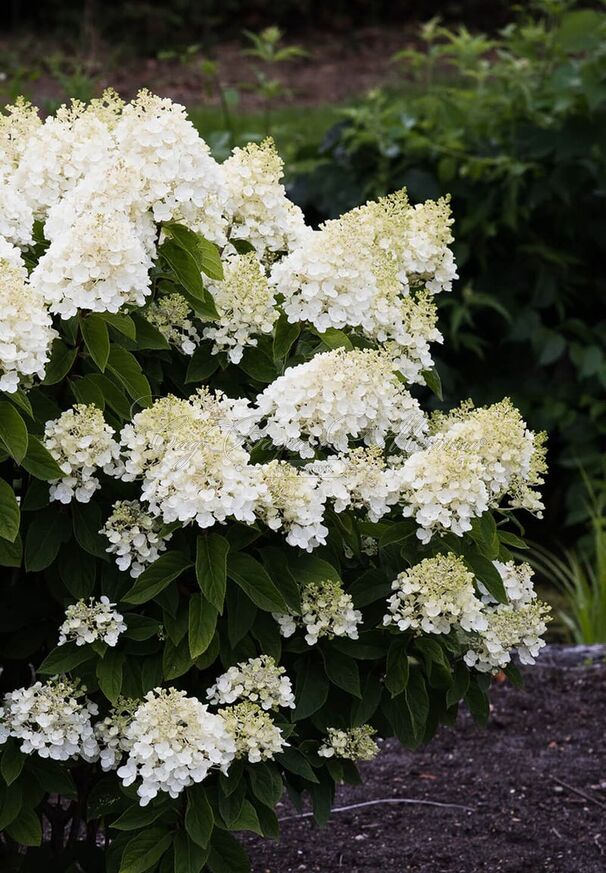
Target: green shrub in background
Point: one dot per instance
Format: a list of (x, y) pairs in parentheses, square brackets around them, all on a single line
[(514, 127)]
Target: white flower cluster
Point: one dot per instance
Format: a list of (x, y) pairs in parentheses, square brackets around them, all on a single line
[(245, 304), (359, 479), (26, 331), (354, 744), (190, 458), (326, 611), (255, 735), (258, 208), (356, 271), (510, 628), (111, 732), (92, 621), (81, 443), (135, 536), (259, 680), (173, 742), (171, 315), (336, 396), (474, 457), (52, 720), (434, 596), (516, 626), (293, 502)]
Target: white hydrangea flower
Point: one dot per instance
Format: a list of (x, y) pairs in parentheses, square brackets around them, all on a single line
[(181, 179), (92, 621), (173, 423), (190, 455), (293, 502), (172, 316), (511, 628), (517, 581), (359, 479), (424, 248), (474, 457), (81, 443), (100, 263), (52, 720), (26, 332), (259, 680), (16, 216), (339, 395), (353, 744), (110, 733), (17, 125), (256, 737), (326, 611), (258, 208), (174, 742), (59, 152), (434, 596), (135, 536), (245, 303)]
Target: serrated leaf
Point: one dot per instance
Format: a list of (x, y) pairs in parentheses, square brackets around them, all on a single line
[(10, 515), (120, 322), (13, 432), (210, 263), (157, 576), (96, 339)]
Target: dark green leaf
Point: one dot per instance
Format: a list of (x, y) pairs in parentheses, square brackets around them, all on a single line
[(311, 689), (109, 674), (201, 366), (188, 857), (199, 818), (488, 575), (10, 516), (65, 658), (433, 382), (294, 761), (253, 579), (12, 761), (396, 675), (87, 522), (157, 576), (202, 623), (45, 534), (148, 336), (120, 322), (96, 338), (11, 554), (342, 671), (13, 432), (60, 363), (266, 783), (285, 335), (39, 462), (26, 828), (144, 850), (211, 567), (227, 855), (137, 817), (125, 367)]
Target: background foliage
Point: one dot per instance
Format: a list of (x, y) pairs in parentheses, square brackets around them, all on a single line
[(513, 126)]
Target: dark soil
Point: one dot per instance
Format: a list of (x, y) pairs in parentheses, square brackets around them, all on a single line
[(517, 775)]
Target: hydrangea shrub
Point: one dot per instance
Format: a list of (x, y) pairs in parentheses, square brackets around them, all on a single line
[(237, 550)]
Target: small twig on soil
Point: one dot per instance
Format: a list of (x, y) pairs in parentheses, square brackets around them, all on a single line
[(385, 800), (578, 791)]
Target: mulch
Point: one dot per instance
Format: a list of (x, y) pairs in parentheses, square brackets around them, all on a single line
[(523, 779)]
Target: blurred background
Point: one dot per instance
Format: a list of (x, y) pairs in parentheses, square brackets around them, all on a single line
[(503, 106)]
